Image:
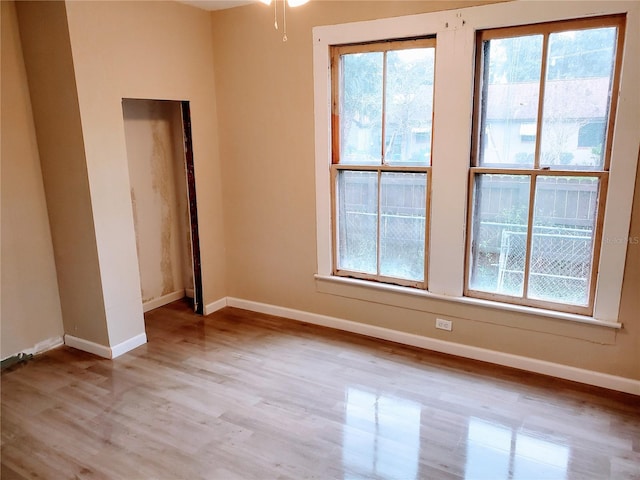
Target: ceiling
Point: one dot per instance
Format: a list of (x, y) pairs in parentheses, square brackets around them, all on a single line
[(216, 4)]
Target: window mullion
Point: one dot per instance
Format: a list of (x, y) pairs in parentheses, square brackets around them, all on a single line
[(383, 149), (527, 255), (382, 160), (336, 80), (427, 224), (536, 165), (379, 218), (334, 218), (543, 82), (481, 114), (603, 186)]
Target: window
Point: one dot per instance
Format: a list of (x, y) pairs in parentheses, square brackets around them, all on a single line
[(519, 164), (382, 101), (536, 212)]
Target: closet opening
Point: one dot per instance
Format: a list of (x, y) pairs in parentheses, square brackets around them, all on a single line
[(163, 200)]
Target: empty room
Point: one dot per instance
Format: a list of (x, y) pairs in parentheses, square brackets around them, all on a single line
[(273, 239)]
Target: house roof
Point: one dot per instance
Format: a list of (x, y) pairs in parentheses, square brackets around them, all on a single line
[(575, 98)]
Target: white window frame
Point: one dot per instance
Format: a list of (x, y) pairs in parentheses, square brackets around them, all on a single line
[(455, 32), (384, 166)]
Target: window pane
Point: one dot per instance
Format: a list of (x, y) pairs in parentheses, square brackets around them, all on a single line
[(409, 106), (361, 109), (357, 221), (564, 218), (510, 101), (402, 225), (499, 238), (577, 94)]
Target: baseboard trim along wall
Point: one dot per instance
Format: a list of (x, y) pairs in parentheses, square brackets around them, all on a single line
[(128, 345), (87, 346), (102, 350), (215, 306), (566, 372), (163, 300)]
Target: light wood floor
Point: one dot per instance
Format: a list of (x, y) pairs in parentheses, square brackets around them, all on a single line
[(244, 395)]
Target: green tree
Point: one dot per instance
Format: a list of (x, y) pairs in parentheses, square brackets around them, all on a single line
[(571, 54), (409, 96)]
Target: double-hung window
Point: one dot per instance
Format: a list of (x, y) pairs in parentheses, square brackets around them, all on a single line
[(536, 207), (382, 109), (480, 175)]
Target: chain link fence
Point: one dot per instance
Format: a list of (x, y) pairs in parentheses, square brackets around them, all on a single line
[(560, 263)]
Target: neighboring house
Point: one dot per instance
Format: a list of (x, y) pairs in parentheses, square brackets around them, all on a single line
[(573, 140), (572, 136)]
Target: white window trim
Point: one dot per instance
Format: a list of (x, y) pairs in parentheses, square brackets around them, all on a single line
[(453, 104)]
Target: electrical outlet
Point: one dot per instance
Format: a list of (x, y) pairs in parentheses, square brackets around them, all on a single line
[(444, 324)]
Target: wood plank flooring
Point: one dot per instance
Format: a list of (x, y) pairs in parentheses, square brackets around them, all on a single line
[(240, 395)]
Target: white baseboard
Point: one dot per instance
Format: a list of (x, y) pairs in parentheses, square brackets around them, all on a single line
[(163, 300), (215, 306), (127, 345), (566, 372), (45, 345), (102, 350), (39, 347), (189, 292), (87, 346)]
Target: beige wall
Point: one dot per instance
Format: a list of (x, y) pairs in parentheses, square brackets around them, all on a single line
[(82, 59), (30, 305), (157, 176), (47, 54), (153, 50), (254, 154), (265, 106)]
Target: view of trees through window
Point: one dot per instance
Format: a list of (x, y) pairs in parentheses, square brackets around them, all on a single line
[(543, 106), (408, 99), (573, 54), (384, 102), (543, 101), (579, 68)]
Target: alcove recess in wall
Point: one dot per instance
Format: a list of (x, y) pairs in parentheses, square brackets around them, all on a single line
[(154, 131)]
